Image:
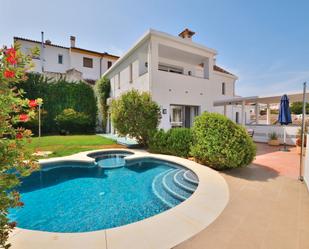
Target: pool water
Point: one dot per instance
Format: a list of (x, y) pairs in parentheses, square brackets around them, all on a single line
[(76, 197)]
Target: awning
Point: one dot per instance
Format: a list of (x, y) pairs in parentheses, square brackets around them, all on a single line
[(293, 97)]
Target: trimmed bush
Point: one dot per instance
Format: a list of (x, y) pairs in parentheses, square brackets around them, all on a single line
[(70, 121), (58, 95), (220, 143), (135, 114), (175, 142)]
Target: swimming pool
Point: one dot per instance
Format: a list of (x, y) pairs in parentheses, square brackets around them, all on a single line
[(83, 197)]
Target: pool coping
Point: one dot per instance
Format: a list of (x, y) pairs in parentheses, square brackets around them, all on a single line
[(164, 230)]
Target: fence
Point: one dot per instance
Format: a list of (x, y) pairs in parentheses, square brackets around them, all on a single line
[(261, 132)]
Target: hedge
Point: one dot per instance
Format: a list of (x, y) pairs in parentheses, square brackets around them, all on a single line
[(176, 141), (58, 95)]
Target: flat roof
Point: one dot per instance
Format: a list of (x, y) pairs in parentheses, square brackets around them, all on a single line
[(152, 32), (293, 97)]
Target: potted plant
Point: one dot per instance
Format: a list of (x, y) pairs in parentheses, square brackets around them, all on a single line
[(273, 139), (299, 140)]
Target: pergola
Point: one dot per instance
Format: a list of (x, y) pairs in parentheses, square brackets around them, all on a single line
[(256, 101)]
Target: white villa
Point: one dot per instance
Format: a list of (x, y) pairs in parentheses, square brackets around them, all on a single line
[(181, 75), (73, 62)]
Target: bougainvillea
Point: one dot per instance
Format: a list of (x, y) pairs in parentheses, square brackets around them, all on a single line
[(15, 162)]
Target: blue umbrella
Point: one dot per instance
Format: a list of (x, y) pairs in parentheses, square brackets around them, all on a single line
[(284, 117)]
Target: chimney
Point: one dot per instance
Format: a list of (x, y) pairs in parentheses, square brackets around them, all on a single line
[(186, 34), (72, 40)]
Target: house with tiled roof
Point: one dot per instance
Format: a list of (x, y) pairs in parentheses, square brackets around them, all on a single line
[(70, 61), (181, 75)]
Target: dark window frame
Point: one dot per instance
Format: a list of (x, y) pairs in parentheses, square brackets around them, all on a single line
[(60, 58), (87, 62), (223, 88), (109, 64)]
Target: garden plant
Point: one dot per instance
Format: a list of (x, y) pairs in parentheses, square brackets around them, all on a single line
[(135, 114), (14, 111), (220, 143)]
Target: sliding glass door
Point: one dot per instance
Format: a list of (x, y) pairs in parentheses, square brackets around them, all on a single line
[(183, 115)]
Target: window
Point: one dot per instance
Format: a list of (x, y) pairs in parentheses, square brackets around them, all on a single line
[(237, 117), (60, 59), (119, 80), (131, 72), (176, 116), (223, 88), (88, 62), (171, 69), (109, 64)]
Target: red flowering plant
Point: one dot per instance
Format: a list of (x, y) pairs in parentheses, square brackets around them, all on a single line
[(15, 161)]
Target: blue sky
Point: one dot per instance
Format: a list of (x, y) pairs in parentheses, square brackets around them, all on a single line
[(265, 43)]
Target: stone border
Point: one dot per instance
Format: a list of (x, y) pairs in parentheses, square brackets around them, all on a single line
[(164, 230)]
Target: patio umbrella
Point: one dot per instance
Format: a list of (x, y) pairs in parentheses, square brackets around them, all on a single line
[(284, 117)]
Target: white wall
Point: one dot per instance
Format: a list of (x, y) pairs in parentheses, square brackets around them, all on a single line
[(261, 133), (171, 88), (140, 77), (71, 59)]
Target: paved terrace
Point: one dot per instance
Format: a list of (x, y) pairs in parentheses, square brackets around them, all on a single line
[(268, 208)]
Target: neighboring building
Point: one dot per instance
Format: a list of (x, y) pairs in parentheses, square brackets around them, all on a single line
[(73, 62), (181, 75)]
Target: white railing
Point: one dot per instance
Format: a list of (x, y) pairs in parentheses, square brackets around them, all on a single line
[(261, 133)]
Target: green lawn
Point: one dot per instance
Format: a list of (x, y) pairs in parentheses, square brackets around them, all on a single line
[(68, 145)]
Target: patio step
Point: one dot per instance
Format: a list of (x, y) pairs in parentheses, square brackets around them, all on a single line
[(189, 176), (171, 188), (181, 182), (160, 192)]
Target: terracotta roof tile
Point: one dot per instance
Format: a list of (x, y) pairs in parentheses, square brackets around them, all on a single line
[(55, 45), (221, 70)]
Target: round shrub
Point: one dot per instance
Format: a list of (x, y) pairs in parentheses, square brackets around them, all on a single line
[(135, 114), (220, 143), (71, 121), (176, 141)]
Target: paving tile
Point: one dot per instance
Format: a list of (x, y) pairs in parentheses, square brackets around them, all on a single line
[(281, 239), (268, 207)]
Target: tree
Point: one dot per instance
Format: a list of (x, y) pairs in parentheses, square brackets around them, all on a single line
[(135, 114), (14, 110), (103, 88), (297, 108)]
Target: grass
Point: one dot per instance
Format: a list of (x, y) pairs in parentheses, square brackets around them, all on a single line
[(68, 145)]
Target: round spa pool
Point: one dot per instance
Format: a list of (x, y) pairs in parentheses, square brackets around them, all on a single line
[(81, 197)]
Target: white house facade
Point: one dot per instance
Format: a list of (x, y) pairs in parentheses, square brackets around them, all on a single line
[(181, 75), (73, 62)]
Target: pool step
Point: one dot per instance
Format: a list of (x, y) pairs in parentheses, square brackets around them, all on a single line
[(159, 191), (189, 176), (171, 186), (181, 182)]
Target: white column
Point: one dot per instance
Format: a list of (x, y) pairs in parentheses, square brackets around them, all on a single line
[(268, 114), (257, 113), (243, 121), (206, 68), (153, 61), (149, 63)]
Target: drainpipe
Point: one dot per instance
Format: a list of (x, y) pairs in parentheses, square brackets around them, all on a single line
[(100, 67), (42, 51)]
